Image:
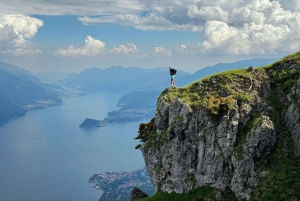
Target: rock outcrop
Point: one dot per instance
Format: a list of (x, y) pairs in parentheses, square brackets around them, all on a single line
[(221, 130), (136, 194)]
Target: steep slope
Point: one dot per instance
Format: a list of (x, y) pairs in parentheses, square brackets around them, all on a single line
[(51, 77), (25, 93), (22, 73), (236, 131), (19, 72), (9, 110)]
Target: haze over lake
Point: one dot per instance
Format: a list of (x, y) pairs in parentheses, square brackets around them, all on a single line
[(46, 156)]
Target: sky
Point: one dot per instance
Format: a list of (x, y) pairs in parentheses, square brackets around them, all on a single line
[(72, 35)]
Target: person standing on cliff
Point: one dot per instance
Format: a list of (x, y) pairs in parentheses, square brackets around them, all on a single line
[(172, 73)]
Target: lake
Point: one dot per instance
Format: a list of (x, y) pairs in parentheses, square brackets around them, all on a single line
[(46, 156)]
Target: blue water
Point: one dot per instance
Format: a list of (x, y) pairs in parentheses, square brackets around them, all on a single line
[(46, 156)]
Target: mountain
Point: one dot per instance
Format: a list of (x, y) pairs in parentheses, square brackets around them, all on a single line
[(19, 72), (51, 77), (135, 106), (124, 80), (24, 92), (229, 136), (119, 79), (21, 91), (51, 88), (141, 102), (209, 70), (9, 110)]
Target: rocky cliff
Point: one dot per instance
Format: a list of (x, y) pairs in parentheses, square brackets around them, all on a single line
[(237, 131)]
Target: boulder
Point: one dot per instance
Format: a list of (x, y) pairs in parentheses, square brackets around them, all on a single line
[(136, 194)]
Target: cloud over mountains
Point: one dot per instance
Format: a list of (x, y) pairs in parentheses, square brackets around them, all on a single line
[(14, 32), (225, 27), (239, 27), (95, 47), (92, 47)]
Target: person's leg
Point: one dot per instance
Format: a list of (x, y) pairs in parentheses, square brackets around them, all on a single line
[(172, 80)]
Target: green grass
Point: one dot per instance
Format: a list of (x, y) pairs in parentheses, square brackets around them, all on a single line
[(220, 92), (164, 137), (200, 194), (146, 134), (282, 181), (235, 83)]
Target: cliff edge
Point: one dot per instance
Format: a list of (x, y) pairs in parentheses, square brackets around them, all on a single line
[(236, 131)]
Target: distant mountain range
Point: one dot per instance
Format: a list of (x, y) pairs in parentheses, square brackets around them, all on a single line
[(118, 79), (51, 77), (141, 86), (21, 91), (123, 80), (229, 66)]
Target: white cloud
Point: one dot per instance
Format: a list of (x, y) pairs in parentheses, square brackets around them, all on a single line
[(160, 51), (149, 22), (14, 30), (293, 5), (92, 47), (122, 49), (240, 27), (70, 7), (207, 13)]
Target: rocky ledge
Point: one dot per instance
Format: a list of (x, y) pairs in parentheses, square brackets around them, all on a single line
[(237, 131)]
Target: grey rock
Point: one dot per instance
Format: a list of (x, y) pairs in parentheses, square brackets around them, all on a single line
[(199, 151), (292, 117), (260, 141), (218, 196), (190, 149), (136, 194)]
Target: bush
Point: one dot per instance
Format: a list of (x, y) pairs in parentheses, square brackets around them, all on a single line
[(289, 84)]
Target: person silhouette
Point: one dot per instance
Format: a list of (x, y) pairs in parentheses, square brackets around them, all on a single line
[(172, 73)]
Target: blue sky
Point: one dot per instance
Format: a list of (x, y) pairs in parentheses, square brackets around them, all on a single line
[(70, 36)]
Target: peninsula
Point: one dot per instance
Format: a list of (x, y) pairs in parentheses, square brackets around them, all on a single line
[(91, 123), (118, 185)]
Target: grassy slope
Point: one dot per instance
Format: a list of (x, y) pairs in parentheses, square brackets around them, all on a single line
[(283, 179), (200, 194)]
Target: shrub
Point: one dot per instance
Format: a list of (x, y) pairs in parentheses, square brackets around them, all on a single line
[(289, 84), (218, 105)]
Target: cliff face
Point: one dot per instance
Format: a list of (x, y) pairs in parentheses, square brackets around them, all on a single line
[(237, 130)]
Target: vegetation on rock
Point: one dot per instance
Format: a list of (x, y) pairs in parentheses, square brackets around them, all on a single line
[(218, 93), (247, 109), (204, 193)]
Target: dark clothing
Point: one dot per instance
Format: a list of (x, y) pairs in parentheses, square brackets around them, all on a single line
[(173, 71)]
